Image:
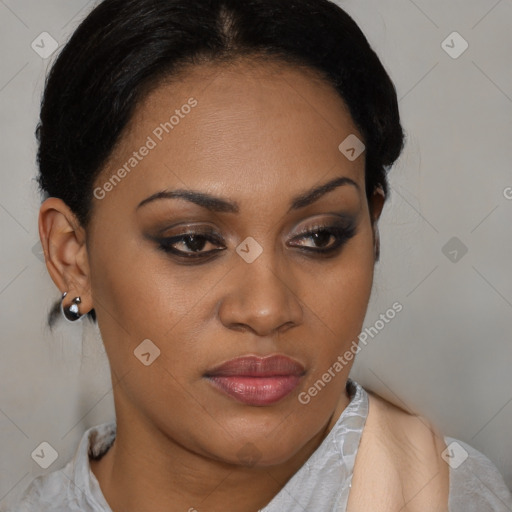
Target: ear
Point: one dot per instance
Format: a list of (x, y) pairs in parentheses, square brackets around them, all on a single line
[(376, 204), (65, 251)]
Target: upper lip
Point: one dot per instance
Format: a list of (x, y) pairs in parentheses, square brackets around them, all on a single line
[(255, 366)]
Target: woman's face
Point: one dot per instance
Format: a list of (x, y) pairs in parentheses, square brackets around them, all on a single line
[(264, 266)]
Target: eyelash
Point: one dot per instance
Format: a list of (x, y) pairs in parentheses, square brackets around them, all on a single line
[(341, 234)]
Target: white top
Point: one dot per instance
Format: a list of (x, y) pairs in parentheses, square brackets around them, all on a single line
[(322, 484)]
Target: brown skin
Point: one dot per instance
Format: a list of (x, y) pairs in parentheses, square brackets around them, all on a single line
[(260, 135)]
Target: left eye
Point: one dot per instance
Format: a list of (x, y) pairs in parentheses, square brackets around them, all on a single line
[(322, 235)]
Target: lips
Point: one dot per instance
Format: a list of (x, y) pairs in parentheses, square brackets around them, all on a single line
[(257, 381)]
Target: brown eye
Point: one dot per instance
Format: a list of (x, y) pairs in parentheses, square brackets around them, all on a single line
[(325, 239), (191, 244), (321, 238)]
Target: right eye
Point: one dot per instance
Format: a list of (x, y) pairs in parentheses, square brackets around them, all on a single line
[(194, 241)]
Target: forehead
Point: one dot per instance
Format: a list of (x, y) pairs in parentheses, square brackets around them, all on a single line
[(235, 123), (249, 93)]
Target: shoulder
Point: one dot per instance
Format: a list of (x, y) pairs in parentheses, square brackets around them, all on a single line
[(411, 438), (399, 464), (476, 485), (69, 489), (44, 493)]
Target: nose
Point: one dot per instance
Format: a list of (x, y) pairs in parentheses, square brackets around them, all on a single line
[(261, 298)]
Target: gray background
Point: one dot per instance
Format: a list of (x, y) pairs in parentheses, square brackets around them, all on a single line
[(447, 355)]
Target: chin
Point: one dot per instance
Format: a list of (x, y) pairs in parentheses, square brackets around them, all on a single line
[(260, 450)]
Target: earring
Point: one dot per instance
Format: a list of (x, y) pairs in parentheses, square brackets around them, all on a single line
[(71, 312)]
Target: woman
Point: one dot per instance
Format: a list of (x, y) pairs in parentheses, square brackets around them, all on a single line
[(215, 171)]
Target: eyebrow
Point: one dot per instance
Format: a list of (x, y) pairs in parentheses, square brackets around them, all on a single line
[(218, 204)]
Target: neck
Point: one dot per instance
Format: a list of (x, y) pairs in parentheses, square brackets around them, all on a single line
[(145, 470)]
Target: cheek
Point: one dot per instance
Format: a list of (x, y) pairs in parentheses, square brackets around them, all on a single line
[(338, 298), (136, 286), (339, 292), (138, 296)]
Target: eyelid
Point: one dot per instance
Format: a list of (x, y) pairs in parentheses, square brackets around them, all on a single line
[(341, 220), (345, 221), (186, 227), (188, 230)]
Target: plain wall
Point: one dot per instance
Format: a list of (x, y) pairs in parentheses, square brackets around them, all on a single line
[(446, 355)]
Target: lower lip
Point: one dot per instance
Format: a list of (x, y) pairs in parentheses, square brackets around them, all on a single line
[(256, 390)]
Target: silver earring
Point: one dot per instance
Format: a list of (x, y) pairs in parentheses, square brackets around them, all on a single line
[(71, 312)]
